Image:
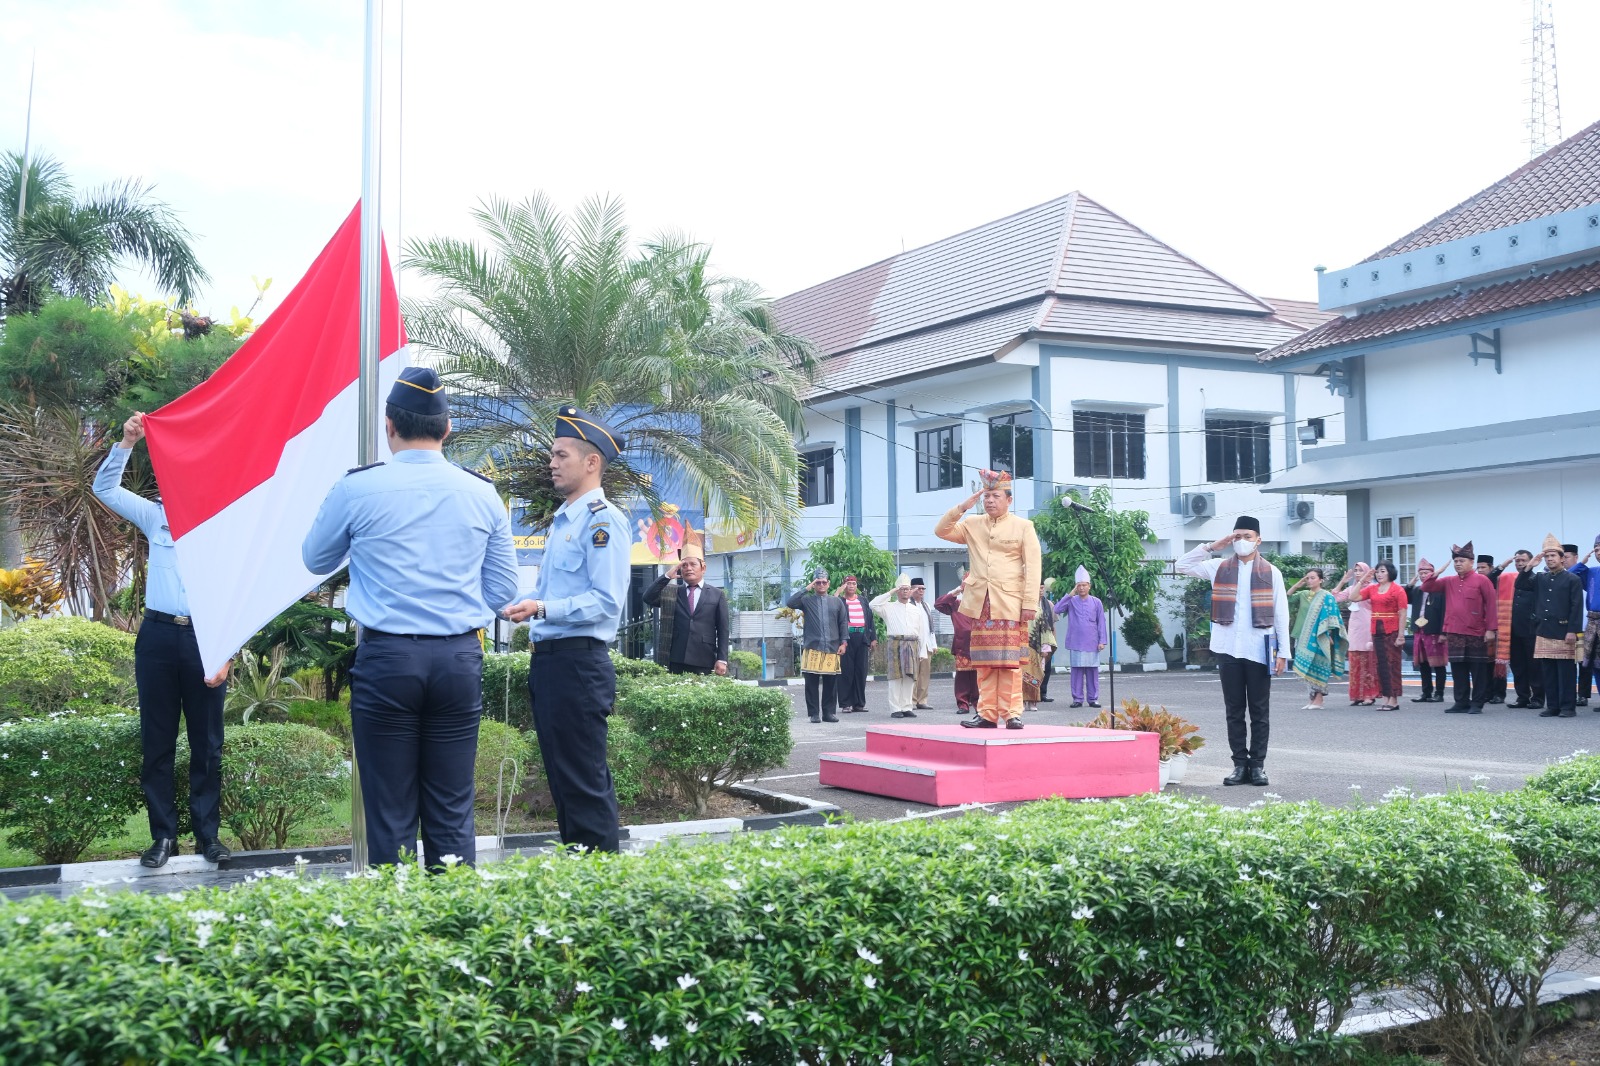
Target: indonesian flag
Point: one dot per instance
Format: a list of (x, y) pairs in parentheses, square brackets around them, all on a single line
[(245, 459)]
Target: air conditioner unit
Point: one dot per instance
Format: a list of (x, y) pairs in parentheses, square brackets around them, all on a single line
[(1198, 505), (1302, 511)]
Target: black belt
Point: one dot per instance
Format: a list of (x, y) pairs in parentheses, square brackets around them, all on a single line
[(416, 636), (546, 647), (163, 616)]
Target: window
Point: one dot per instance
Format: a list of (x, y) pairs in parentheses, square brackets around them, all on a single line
[(1237, 450), (1396, 541), (1011, 444), (939, 458), (816, 477), (1108, 445)]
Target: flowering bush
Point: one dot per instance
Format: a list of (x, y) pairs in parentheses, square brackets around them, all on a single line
[(1098, 933), (1574, 779), (67, 780), (47, 663), (275, 777), (704, 733)]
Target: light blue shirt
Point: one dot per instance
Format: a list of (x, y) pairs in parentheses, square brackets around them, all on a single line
[(429, 546), (163, 590), (583, 580)]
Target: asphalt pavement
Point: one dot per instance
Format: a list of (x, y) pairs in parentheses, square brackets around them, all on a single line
[(1312, 755)]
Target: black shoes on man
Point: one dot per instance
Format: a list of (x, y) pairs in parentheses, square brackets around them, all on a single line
[(978, 721), (1246, 775), (902, 714), (156, 855)]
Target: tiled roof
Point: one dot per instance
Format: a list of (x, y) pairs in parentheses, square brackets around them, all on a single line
[(1069, 264), (1302, 313), (1562, 179), (1506, 296)]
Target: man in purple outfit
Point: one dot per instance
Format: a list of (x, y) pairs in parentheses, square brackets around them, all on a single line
[(1087, 636)]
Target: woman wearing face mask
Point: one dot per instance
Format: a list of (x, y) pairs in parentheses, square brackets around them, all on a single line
[(1321, 645)]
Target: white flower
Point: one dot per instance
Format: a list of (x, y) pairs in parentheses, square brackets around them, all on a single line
[(1438, 913), (102, 933), (658, 1042), (731, 883), (993, 900), (768, 908), (869, 980), (337, 919), (869, 956), (202, 934), (691, 1027), (1022, 956), (462, 966), (687, 982), (564, 895), (1082, 913), (1180, 942), (450, 860), (1272, 795), (583, 986), (1537, 886), (483, 980), (301, 860), (618, 1024), (45, 755), (541, 930), (47, 799), (266, 923), (969, 846), (1355, 788), (753, 1017), (564, 940), (222, 1046), (162, 957), (33, 773), (23, 919), (527, 943), (1314, 905), (1127, 849)]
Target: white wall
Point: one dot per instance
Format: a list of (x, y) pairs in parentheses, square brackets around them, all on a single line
[(1423, 388), (1498, 514)]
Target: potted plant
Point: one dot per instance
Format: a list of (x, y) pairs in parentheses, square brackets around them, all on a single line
[(1178, 737)]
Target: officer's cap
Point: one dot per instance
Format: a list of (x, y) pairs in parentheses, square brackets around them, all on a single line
[(419, 391), (575, 422)]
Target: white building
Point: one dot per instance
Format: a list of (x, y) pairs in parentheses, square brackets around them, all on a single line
[(1467, 348), (1067, 345)]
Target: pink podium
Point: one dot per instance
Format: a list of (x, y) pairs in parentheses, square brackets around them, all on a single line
[(943, 765)]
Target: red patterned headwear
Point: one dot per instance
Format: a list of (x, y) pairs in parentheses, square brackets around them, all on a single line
[(995, 479)]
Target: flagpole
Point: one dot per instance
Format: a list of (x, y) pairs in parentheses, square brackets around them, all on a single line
[(371, 325)]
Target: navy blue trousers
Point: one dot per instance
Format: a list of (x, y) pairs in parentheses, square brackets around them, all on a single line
[(171, 682), (573, 687), (415, 703)]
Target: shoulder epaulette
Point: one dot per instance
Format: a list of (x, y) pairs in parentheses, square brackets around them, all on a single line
[(476, 474), (358, 469), (596, 506)]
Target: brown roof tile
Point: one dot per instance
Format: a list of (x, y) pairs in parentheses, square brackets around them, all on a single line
[(1562, 179), (1506, 296)]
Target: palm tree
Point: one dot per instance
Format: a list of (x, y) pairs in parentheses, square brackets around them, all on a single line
[(553, 310), (72, 245)]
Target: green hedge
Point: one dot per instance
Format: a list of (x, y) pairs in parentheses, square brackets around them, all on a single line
[(707, 732), (744, 665), (278, 776), (48, 663), (1114, 932), (66, 780)]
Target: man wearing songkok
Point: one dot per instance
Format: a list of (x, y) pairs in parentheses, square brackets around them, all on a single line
[(1557, 625), (822, 641), (1249, 637), (919, 596), (692, 637), (966, 678), (1088, 633), (1427, 643), (861, 640), (910, 640), (1001, 596), (1528, 677), (1589, 651), (1470, 615)]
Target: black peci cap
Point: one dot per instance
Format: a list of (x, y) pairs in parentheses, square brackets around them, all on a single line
[(419, 391), (573, 422)]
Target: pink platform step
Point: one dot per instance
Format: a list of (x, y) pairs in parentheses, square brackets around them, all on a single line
[(943, 765)]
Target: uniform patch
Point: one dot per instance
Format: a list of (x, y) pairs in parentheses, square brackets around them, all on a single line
[(596, 506), (600, 538), (358, 469)]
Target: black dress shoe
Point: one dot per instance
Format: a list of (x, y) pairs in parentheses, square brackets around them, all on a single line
[(156, 855), (1494, 699), (213, 850), (1550, 712), (828, 718), (1047, 699), (1424, 698), (923, 707), (1094, 704), (1076, 703), (1457, 708), (978, 721), (1583, 701), (1517, 706), (1240, 775), (902, 714), (1569, 714), (1013, 723), (1476, 708), (1257, 776), (1536, 704), (816, 718)]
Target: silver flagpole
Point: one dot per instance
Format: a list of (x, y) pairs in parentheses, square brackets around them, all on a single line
[(371, 325), (27, 140)]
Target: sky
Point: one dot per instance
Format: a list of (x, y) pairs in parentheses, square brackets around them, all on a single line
[(800, 141)]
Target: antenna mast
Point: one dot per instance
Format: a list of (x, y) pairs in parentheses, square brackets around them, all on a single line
[(1544, 94)]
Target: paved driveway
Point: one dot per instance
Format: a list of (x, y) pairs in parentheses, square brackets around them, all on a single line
[(1313, 754)]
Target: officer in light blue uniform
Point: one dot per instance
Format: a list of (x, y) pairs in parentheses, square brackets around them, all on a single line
[(431, 561), (170, 679), (573, 614)]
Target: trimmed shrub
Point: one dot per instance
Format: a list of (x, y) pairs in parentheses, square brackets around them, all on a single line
[(1112, 933), (330, 716), (633, 669), (519, 640), (277, 776), (67, 780), (941, 660), (505, 689), (48, 663), (496, 743), (629, 758), (706, 732), (1574, 779), (744, 665)]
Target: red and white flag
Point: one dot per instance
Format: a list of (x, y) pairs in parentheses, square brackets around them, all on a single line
[(245, 459)]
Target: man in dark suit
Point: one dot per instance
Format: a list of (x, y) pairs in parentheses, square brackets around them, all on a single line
[(693, 637)]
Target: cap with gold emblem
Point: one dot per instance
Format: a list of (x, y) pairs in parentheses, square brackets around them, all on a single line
[(575, 422)]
